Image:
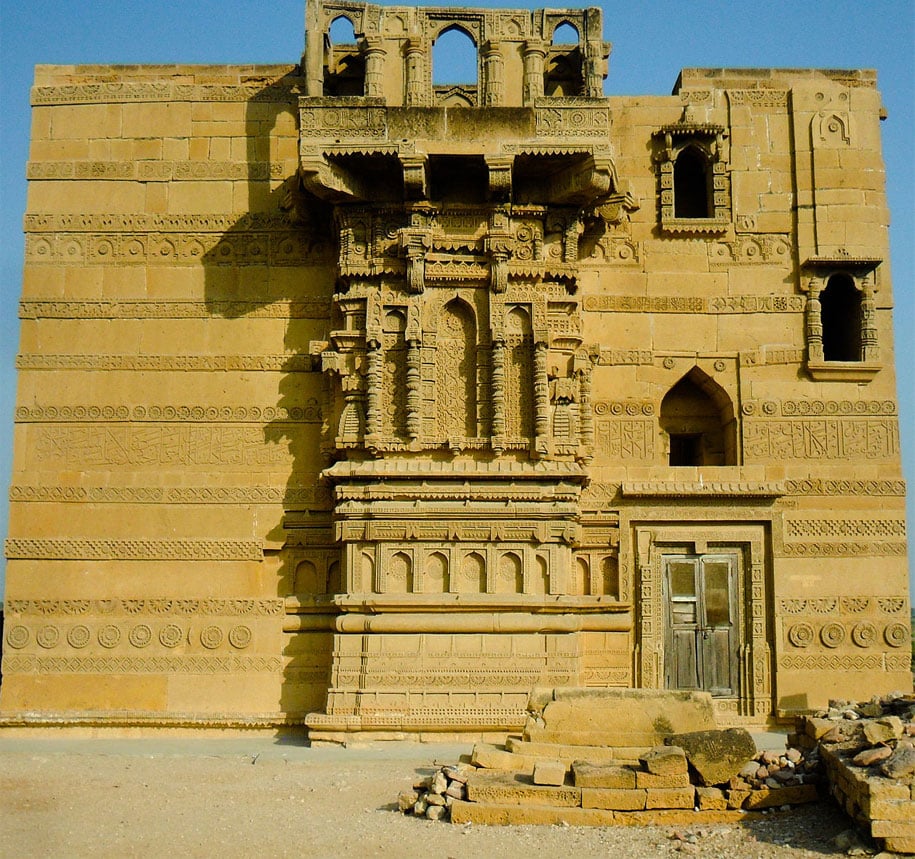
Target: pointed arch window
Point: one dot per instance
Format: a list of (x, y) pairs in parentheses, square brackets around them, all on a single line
[(344, 63), (455, 68), (697, 419)]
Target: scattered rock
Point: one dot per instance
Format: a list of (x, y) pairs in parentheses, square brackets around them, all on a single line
[(872, 756), (901, 763)]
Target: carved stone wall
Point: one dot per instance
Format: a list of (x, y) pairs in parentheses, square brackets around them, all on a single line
[(343, 396)]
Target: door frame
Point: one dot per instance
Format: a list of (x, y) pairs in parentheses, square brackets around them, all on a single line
[(749, 542)]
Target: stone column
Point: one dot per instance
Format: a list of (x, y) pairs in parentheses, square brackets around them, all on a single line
[(493, 75), (374, 67), (814, 323), (534, 55), (415, 55), (374, 379)]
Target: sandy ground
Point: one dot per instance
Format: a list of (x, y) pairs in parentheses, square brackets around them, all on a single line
[(259, 796)]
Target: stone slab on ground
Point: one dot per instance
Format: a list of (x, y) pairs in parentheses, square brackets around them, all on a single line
[(586, 774), (670, 797), (615, 717), (613, 798), (569, 752), (516, 789), (549, 773), (490, 756)]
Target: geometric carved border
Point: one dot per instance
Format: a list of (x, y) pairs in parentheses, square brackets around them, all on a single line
[(842, 550), (209, 414), (314, 308), (166, 495), (155, 606), (135, 550), (28, 664)]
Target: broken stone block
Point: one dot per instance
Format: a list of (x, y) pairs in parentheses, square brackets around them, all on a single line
[(664, 760), (869, 757), (716, 755), (736, 798), (492, 757), (606, 776), (436, 812), (883, 730), (457, 790), (643, 779), (900, 764), (439, 782), (406, 799), (710, 799), (434, 799), (620, 718), (515, 789), (549, 772)]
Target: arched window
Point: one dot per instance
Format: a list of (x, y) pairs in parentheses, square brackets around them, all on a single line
[(692, 189), (563, 71), (698, 417), (840, 313), (455, 68), (344, 72)]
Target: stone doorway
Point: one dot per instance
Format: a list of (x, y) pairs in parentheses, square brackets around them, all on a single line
[(701, 629)]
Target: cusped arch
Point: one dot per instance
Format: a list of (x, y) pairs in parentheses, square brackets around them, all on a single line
[(698, 421), (565, 33), (342, 31), (455, 56)]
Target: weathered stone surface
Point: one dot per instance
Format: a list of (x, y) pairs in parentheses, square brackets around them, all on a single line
[(664, 760), (711, 798), (507, 789), (591, 775), (611, 798), (617, 717), (736, 798), (872, 756), (673, 797), (569, 753), (549, 772), (900, 764), (883, 730), (644, 779), (778, 797), (489, 756), (716, 755), (406, 799)]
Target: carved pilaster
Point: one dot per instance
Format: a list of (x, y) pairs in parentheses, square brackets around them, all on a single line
[(534, 55), (415, 76), (494, 75), (374, 67), (415, 244), (869, 348), (541, 395), (499, 247), (498, 388), (586, 412), (414, 389), (814, 325), (374, 379)]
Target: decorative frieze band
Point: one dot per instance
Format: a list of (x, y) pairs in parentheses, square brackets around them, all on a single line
[(842, 605), (845, 487), (310, 413), (759, 97), (804, 408), (829, 439), (143, 222), (267, 363), (134, 550), (295, 247), (156, 171), (842, 550), (833, 634), (831, 662), (165, 495), (304, 309), (156, 446), (845, 528), (695, 304), (120, 92), (747, 250), (154, 606), (29, 664)]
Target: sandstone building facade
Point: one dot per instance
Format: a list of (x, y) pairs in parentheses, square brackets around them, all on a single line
[(353, 400)]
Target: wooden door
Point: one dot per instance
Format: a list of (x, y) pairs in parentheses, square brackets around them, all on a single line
[(700, 650)]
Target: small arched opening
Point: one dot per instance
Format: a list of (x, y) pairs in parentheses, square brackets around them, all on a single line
[(840, 314), (697, 417), (692, 188), (563, 71), (455, 68), (344, 66)]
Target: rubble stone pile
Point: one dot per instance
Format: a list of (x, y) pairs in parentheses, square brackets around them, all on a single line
[(432, 797), (868, 754)]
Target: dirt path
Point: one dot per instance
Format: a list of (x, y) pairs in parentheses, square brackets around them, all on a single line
[(252, 796)]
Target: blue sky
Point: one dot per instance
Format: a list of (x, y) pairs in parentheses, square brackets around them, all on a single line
[(651, 43)]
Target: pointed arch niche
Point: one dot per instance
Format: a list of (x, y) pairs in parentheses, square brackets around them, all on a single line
[(519, 374), (698, 422), (456, 371), (455, 68)]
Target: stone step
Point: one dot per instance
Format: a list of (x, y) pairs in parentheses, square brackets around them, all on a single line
[(498, 814), (569, 753)]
